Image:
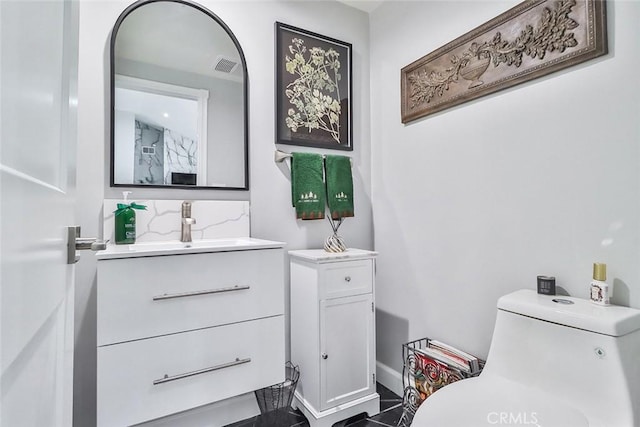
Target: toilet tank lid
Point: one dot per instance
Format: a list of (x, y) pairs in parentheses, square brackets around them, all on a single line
[(611, 320)]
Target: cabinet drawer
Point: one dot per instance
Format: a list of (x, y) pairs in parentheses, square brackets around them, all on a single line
[(146, 297), (347, 278), (146, 379)]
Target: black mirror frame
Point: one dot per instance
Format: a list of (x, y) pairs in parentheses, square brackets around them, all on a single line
[(114, 33)]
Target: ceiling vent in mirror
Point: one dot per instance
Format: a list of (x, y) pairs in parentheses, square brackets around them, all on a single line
[(225, 65)]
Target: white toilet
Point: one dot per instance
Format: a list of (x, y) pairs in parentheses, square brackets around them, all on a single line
[(554, 361)]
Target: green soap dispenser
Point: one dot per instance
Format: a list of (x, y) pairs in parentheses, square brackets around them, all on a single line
[(125, 219)]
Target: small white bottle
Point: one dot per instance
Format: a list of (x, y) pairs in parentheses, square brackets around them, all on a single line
[(599, 288)]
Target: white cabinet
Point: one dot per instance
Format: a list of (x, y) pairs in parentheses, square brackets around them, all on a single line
[(333, 334), (181, 331)]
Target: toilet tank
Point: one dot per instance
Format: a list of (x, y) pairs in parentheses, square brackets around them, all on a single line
[(585, 355)]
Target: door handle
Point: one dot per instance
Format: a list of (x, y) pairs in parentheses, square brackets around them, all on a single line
[(77, 243)]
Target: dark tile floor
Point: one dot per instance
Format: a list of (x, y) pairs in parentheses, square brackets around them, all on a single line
[(390, 412)]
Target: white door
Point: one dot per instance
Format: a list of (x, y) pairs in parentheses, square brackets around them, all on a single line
[(38, 79), (347, 346)]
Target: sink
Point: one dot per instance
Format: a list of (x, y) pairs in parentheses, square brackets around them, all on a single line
[(207, 243), (175, 247)]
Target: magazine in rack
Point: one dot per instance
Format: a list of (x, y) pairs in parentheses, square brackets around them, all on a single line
[(440, 364)]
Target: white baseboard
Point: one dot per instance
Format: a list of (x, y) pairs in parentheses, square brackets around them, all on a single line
[(389, 378), (368, 404)]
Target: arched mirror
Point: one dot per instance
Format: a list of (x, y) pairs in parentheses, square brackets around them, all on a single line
[(178, 99)]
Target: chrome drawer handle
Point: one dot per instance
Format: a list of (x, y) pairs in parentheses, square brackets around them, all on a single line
[(167, 378), (347, 279), (205, 292)]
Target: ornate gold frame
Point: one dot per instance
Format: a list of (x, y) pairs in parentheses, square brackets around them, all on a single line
[(534, 38)]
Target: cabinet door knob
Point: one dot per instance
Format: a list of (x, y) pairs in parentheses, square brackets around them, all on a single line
[(347, 279), (325, 356)]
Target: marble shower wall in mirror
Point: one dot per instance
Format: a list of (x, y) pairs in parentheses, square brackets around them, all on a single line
[(179, 94)]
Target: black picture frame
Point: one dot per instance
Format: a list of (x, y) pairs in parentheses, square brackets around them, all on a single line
[(323, 87)]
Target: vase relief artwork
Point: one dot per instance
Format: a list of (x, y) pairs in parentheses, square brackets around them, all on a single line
[(532, 39), (474, 69)]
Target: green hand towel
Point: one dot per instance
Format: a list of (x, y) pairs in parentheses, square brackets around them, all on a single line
[(339, 186), (307, 186)]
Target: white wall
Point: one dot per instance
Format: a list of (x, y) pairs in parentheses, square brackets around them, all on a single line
[(271, 214), (476, 201)]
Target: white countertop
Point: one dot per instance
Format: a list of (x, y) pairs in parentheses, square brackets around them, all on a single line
[(175, 247), (320, 255)]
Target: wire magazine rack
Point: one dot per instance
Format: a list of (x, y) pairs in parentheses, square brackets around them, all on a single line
[(420, 381)]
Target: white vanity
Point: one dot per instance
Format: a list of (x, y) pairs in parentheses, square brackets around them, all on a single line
[(184, 325), (333, 334)]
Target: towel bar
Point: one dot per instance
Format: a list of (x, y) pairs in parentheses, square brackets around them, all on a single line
[(280, 156)]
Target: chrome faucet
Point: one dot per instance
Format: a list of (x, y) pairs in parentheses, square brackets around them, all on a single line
[(187, 222)]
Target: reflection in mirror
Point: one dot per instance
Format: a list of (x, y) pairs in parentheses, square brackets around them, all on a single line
[(166, 122), (179, 95)]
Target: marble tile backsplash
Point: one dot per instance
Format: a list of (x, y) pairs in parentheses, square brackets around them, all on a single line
[(162, 219), (180, 155)]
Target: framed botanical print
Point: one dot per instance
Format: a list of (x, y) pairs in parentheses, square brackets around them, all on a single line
[(313, 90)]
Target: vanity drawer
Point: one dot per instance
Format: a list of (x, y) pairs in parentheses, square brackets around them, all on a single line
[(152, 296), (201, 367), (347, 278)]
